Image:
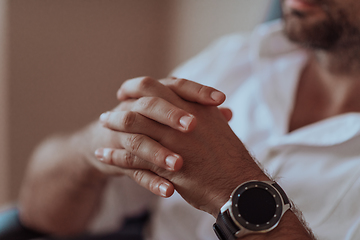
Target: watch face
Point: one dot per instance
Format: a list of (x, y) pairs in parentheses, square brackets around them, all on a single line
[(256, 206)]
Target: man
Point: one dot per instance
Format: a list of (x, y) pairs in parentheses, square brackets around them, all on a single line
[(295, 108)]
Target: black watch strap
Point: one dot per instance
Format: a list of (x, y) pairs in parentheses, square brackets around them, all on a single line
[(224, 227), (282, 193)]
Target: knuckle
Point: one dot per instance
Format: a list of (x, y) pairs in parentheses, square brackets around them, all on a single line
[(134, 142), (128, 159), (172, 114), (203, 90), (128, 120), (146, 82), (158, 155), (147, 102), (138, 176), (179, 82), (154, 183)]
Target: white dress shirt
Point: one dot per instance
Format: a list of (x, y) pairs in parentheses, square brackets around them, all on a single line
[(318, 165)]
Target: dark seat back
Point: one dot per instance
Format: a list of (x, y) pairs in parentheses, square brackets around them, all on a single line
[(12, 229)]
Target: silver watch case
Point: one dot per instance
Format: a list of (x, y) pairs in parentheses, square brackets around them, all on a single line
[(249, 228)]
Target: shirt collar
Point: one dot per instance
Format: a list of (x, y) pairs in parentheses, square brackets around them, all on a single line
[(268, 50), (328, 132), (268, 41)]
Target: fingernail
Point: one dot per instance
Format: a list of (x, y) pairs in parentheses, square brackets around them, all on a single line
[(217, 96), (185, 121), (104, 154), (171, 161), (163, 189), (104, 117), (99, 153)]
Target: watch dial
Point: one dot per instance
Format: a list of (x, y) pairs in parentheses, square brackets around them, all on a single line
[(256, 205)]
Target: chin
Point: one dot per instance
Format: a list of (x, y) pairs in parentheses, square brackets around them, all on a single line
[(313, 31)]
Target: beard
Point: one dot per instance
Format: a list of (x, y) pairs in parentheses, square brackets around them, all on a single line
[(331, 32)]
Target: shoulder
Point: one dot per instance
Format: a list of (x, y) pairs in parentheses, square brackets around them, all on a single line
[(213, 59), (237, 50)]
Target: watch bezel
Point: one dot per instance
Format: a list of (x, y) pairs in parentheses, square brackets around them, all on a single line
[(241, 222)]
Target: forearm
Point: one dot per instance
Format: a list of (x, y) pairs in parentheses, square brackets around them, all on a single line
[(292, 226), (62, 188)]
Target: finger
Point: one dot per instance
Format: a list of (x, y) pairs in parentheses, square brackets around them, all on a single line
[(227, 113), (194, 92), (147, 149), (144, 86), (149, 180), (136, 119), (166, 113), (125, 105), (122, 158), (132, 122), (137, 169)]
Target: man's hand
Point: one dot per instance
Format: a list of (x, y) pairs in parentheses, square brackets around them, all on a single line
[(122, 151), (64, 182), (214, 160)]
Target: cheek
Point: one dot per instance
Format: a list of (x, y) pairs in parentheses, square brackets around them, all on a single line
[(352, 10), (349, 20), (345, 9)]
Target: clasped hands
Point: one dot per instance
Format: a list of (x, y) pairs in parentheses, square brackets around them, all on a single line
[(170, 134)]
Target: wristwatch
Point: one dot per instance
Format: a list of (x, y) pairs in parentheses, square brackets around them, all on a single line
[(253, 207)]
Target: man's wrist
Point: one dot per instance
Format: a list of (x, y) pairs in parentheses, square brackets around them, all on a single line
[(291, 224), (248, 170), (83, 144), (227, 190), (289, 228), (254, 207)]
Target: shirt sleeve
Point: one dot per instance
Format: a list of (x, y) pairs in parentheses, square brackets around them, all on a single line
[(212, 66)]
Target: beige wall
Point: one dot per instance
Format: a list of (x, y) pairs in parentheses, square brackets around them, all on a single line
[(4, 160), (67, 58), (196, 23)]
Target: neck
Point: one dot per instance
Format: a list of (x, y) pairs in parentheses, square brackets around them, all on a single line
[(327, 87), (341, 62), (337, 76)]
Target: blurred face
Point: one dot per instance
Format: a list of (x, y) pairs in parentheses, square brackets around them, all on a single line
[(323, 24)]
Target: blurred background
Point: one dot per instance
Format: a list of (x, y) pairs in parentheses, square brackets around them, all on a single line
[(61, 62)]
